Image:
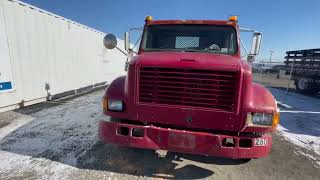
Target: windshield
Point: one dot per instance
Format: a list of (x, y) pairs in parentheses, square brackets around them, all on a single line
[(193, 38)]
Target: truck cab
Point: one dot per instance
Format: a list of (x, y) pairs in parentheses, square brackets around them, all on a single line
[(188, 90)]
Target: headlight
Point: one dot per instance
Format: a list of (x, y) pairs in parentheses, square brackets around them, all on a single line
[(114, 105), (262, 119)]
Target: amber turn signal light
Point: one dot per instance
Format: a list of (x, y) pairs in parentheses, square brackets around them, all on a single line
[(276, 120), (105, 104)]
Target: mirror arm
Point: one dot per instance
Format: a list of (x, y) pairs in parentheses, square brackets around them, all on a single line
[(123, 52), (246, 30), (249, 30), (136, 29), (134, 52), (137, 41), (244, 47)]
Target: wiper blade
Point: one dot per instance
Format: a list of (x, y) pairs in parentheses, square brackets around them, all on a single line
[(185, 50), (161, 50), (202, 50), (212, 51)]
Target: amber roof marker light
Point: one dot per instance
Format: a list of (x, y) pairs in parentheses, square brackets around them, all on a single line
[(233, 18), (148, 18)]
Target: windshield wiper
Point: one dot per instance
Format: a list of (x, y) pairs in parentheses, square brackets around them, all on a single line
[(176, 50), (185, 50), (202, 50)]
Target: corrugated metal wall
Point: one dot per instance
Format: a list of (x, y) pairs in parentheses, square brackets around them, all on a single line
[(51, 55)]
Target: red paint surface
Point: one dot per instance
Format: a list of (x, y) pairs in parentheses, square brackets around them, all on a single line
[(182, 141), (251, 97)]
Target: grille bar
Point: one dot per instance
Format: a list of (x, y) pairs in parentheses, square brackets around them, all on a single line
[(216, 89), (185, 84), (173, 102), (187, 73), (214, 99), (187, 78), (178, 93), (169, 89)]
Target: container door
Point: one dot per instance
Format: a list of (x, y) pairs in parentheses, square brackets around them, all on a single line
[(6, 78)]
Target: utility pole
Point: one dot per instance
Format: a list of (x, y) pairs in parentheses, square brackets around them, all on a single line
[(271, 52)]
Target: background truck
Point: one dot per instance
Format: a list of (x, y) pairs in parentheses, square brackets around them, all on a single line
[(303, 65), (188, 90)]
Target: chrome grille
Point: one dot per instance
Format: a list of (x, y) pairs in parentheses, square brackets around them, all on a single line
[(205, 88)]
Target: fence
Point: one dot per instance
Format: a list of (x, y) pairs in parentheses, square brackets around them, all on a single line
[(269, 75)]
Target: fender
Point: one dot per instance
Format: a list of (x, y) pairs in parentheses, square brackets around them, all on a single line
[(116, 90), (256, 97), (261, 100)]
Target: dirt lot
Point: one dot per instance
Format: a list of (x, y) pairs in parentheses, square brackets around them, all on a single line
[(59, 141), (271, 80)]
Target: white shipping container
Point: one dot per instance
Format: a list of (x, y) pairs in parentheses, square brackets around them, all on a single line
[(43, 54)]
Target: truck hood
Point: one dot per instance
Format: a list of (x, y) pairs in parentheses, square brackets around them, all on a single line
[(189, 59), (181, 116)]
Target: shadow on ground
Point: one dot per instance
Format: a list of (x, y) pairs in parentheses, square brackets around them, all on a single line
[(110, 158), (149, 163), (139, 162)]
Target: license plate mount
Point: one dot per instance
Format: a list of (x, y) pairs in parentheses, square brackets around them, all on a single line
[(260, 142), (185, 141)]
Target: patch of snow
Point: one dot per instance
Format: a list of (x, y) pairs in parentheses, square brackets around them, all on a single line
[(284, 105), (46, 144), (26, 167), (311, 157), (303, 112), (15, 124), (300, 125)]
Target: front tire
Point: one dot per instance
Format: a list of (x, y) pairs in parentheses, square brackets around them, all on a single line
[(304, 86)]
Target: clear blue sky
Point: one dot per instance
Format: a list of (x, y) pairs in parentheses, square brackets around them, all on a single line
[(286, 25)]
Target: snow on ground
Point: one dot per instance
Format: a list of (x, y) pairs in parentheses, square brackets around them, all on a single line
[(47, 143), (300, 120), (60, 142)]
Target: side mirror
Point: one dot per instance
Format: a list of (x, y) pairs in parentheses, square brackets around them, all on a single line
[(126, 41), (110, 41), (255, 46), (256, 43)]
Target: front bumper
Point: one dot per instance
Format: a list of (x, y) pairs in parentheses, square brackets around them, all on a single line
[(181, 141)]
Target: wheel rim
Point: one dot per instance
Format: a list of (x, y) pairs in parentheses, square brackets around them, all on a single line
[(302, 83)]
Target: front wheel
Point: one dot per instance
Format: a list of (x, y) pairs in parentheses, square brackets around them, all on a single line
[(304, 86)]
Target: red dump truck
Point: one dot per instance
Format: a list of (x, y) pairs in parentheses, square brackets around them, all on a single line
[(188, 90)]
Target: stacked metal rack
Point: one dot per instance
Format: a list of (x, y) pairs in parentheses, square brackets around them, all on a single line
[(304, 68)]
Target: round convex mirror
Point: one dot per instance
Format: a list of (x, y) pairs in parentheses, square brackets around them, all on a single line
[(110, 41)]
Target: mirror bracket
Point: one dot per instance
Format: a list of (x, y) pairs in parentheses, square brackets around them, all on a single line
[(251, 58)]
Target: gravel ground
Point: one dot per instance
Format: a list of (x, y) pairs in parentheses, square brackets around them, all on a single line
[(271, 80), (59, 141)]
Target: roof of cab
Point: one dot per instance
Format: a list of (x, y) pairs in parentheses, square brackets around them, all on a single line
[(216, 22)]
